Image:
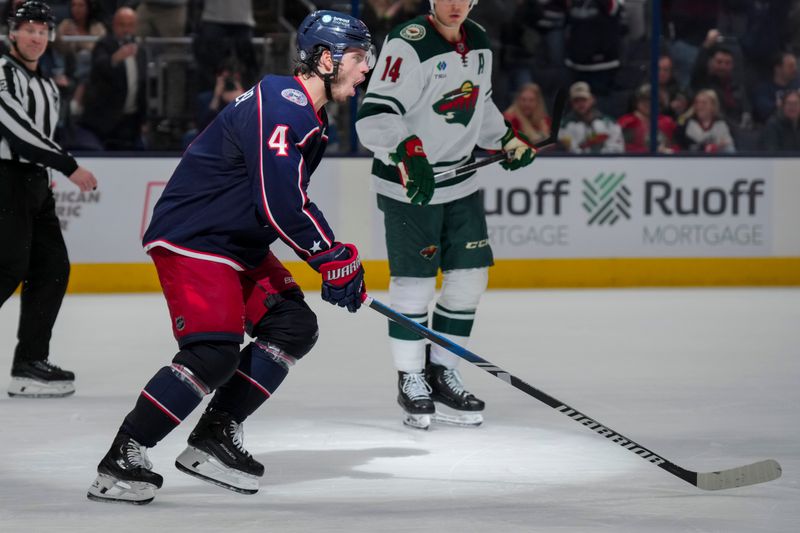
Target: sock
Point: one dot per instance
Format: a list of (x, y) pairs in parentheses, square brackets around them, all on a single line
[(164, 403), (262, 368)]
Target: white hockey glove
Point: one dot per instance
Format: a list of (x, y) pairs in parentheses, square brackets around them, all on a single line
[(521, 150)]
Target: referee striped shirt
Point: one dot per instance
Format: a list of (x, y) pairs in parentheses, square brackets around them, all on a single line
[(29, 106)]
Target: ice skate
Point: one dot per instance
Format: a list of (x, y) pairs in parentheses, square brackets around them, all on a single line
[(414, 397), (216, 454), (125, 474), (40, 379), (454, 405)]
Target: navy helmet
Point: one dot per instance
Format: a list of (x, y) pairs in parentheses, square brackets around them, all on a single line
[(33, 11), (333, 31)]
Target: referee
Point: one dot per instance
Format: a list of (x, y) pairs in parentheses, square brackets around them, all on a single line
[(32, 249)]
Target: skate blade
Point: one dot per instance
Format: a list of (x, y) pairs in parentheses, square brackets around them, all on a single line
[(417, 421), (107, 489), (204, 466), (31, 388), (452, 417)]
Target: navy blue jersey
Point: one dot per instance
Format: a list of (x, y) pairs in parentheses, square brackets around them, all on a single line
[(242, 183)]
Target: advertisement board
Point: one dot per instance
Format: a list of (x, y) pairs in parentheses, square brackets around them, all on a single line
[(583, 221)]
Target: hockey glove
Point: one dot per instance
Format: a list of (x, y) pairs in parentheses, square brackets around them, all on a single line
[(342, 275), (519, 149), (416, 172)]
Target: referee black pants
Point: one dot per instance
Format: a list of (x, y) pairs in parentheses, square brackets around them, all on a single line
[(32, 252)]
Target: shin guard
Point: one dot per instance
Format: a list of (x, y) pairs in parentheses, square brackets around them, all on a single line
[(165, 402), (262, 368)]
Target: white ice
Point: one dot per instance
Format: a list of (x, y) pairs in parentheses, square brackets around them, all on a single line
[(707, 378)]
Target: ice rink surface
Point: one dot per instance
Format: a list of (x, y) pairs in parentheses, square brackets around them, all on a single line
[(707, 378)]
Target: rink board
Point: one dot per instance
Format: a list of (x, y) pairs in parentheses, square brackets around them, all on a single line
[(562, 222)]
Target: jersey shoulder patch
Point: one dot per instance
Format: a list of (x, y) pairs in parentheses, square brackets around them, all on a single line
[(295, 96), (413, 32)]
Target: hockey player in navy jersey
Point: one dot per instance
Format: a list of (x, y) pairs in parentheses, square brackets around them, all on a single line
[(239, 187)]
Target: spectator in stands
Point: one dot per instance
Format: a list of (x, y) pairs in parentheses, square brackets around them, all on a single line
[(715, 69), (551, 25), (227, 88), (636, 126), (115, 106), (528, 113), (762, 38), (791, 25), (768, 93), (381, 16), (225, 33), (688, 23), (521, 47), (83, 21), (209, 104), (702, 129), (167, 18), (585, 129), (672, 98), (162, 18), (593, 40), (782, 132)]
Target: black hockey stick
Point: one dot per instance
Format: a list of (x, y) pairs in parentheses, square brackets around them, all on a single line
[(751, 474), (558, 111)]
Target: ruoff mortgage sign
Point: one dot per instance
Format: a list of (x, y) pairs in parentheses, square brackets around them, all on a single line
[(629, 207)]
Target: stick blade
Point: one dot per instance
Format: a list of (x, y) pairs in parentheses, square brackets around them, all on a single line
[(751, 474)]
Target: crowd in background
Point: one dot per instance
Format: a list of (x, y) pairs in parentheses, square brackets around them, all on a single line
[(150, 74)]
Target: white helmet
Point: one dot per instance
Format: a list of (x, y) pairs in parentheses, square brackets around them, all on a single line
[(472, 4)]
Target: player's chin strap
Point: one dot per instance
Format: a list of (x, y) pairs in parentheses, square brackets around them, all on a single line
[(327, 79)]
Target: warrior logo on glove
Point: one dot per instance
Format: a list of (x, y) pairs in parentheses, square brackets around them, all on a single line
[(347, 270), (342, 275)]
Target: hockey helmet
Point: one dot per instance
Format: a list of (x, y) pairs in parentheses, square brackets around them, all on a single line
[(333, 31), (33, 11), (472, 3)]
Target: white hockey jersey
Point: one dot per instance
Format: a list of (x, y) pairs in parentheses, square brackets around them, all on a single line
[(439, 91)]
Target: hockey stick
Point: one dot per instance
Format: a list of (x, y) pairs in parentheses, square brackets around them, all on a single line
[(558, 110), (751, 474)]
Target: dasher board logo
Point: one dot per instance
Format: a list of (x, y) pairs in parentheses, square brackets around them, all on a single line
[(606, 199), (413, 32), (458, 106)]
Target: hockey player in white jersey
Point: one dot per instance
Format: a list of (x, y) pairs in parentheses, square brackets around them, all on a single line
[(428, 105)]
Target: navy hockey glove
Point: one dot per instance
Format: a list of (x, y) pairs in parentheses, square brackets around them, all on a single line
[(342, 275), (416, 172), (520, 150)]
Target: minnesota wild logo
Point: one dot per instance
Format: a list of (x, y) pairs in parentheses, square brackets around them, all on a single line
[(458, 106), (429, 251), (413, 32)]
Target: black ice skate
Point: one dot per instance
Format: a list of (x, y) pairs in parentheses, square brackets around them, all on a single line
[(40, 379), (216, 454), (414, 397), (448, 390), (125, 474)]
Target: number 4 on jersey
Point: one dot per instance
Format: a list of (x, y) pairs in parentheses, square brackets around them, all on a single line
[(392, 70), (277, 141)]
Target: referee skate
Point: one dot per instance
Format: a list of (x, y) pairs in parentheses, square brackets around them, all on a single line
[(40, 379)]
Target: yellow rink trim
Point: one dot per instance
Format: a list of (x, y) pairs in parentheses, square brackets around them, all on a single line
[(509, 274)]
